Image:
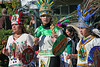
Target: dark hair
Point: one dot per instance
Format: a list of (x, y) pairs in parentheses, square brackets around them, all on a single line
[(71, 29), (75, 34), (23, 29)]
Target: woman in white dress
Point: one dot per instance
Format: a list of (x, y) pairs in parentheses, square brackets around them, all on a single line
[(17, 42), (89, 41)]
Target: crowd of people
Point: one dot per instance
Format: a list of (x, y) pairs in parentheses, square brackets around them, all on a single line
[(77, 52)]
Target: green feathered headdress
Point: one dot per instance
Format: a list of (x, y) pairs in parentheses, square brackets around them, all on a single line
[(45, 7)]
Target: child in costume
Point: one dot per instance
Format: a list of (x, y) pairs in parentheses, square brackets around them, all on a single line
[(88, 45), (45, 33), (17, 42)]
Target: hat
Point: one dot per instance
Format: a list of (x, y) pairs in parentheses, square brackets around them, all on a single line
[(16, 18), (84, 18), (45, 7)]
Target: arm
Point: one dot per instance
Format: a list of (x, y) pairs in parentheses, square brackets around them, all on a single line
[(69, 50), (54, 36), (5, 50), (30, 41), (69, 47), (70, 56), (74, 56)]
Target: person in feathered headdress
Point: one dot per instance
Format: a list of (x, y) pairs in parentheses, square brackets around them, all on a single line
[(17, 42), (46, 32), (89, 40)]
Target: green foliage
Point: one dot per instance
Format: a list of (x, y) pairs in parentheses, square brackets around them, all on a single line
[(0, 10), (9, 8), (4, 34), (31, 30), (55, 20), (12, 6), (26, 20)]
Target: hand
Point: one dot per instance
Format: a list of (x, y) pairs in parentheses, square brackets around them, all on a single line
[(69, 56), (35, 40), (53, 37), (18, 55), (5, 51)]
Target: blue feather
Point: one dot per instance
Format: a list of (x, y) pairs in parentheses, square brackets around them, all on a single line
[(89, 10), (78, 10), (84, 11), (88, 16)]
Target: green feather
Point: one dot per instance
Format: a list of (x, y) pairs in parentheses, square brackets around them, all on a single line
[(49, 2), (40, 2), (65, 21), (38, 5), (45, 1)]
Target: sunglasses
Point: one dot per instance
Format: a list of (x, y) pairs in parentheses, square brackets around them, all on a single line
[(45, 16)]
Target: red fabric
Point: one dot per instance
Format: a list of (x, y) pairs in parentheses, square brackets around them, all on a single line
[(36, 52)]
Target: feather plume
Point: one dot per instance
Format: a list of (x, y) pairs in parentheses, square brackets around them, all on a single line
[(87, 11), (40, 2)]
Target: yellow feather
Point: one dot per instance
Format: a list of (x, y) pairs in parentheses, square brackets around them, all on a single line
[(41, 1), (47, 1), (85, 13), (51, 3)]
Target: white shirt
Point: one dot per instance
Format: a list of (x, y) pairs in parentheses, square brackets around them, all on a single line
[(20, 44)]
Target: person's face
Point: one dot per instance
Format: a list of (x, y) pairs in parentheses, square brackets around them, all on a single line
[(16, 28), (32, 17), (84, 31), (45, 19), (69, 33)]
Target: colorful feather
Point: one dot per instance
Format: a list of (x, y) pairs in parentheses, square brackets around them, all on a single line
[(86, 10), (47, 1), (38, 4), (41, 1), (51, 3)]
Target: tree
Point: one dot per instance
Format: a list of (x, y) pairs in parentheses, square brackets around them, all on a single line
[(15, 4)]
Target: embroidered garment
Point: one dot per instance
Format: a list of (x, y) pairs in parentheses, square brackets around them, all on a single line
[(45, 45), (18, 45), (84, 46)]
